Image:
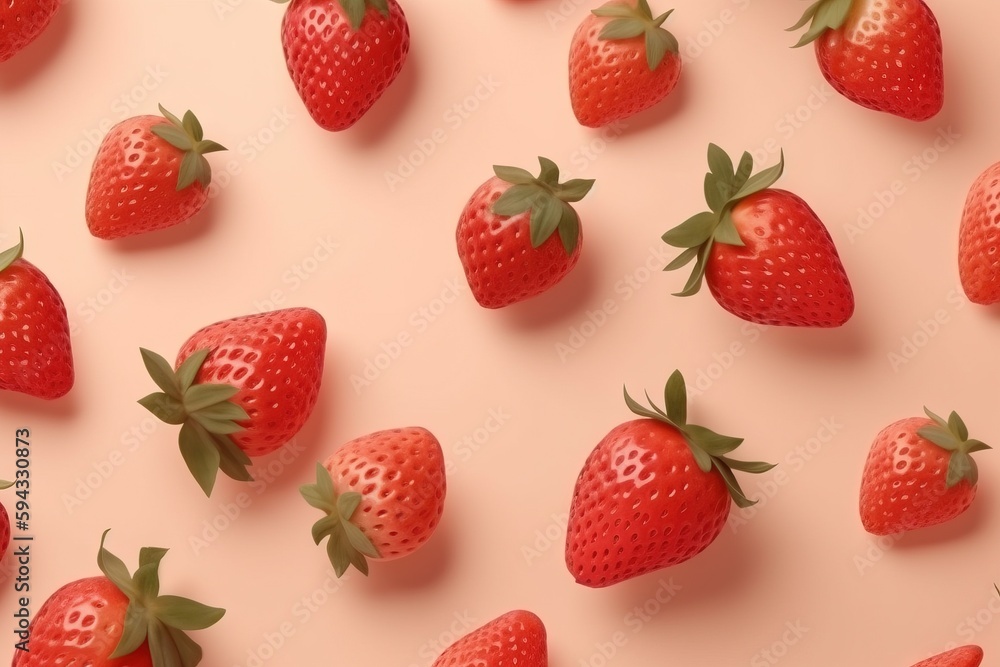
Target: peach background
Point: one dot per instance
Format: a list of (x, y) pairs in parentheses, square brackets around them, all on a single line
[(795, 561)]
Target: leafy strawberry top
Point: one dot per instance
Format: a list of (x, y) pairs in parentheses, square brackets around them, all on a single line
[(11, 255), (629, 22), (355, 9), (724, 188), (708, 447), (160, 619), (824, 15), (187, 135), (953, 436), (206, 415), (348, 545), (546, 198)]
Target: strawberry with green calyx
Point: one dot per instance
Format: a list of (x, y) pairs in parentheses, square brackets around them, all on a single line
[(118, 620), (884, 55), (622, 61), (765, 255), (518, 235), (206, 414), (347, 544), (149, 173)]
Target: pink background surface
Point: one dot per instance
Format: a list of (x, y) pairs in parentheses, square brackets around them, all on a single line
[(308, 218)]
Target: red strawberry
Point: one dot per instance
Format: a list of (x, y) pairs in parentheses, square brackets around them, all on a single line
[(21, 21), (654, 492), (621, 62), (963, 656), (383, 495), (979, 239), (765, 254), (149, 173), (516, 639), (882, 54), (343, 55), (118, 620), (919, 473), (36, 357), (506, 234), (242, 387)]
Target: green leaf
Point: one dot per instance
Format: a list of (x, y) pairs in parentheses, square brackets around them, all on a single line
[(643, 6), (754, 467), (830, 14), (233, 461), (133, 631), (313, 496), (762, 180), (807, 16), (545, 216), (175, 136), (201, 396), (517, 199), (717, 192), (114, 569), (957, 426), (961, 466), (743, 171), (200, 455), (359, 541), (324, 482), (5, 484), (208, 146), (941, 437), (188, 370), (226, 411), (184, 614), (675, 397), (355, 10), (659, 42), (151, 556), (638, 409), (165, 408), (974, 445), (381, 5), (190, 170), (162, 648), (192, 126), (216, 426), (147, 581), (325, 527), (514, 175), (712, 442), (569, 228), (692, 232), (733, 485), (614, 10), (171, 117), (162, 373), (682, 259), (702, 458), (11, 255), (693, 284), (623, 28), (726, 231), (549, 173), (574, 190), (189, 652), (341, 554), (719, 163), (347, 504)]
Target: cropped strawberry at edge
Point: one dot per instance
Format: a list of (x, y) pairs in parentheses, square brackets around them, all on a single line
[(22, 22)]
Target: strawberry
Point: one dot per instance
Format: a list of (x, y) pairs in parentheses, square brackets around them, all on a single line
[(343, 55), (963, 656), (653, 493), (979, 239), (622, 61), (21, 21), (243, 387), (117, 620), (516, 639), (382, 495), (919, 473), (882, 54), (506, 234), (149, 173), (765, 254), (36, 357)]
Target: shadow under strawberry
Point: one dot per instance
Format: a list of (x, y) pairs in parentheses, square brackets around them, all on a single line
[(26, 65), (662, 113), (423, 570), (197, 227), (563, 303), (972, 521)]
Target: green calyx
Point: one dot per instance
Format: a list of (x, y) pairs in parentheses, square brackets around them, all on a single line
[(187, 135), (11, 255), (355, 9), (824, 15), (162, 620), (206, 415), (708, 447), (629, 22), (547, 199), (347, 545), (953, 436), (4, 484), (725, 186)]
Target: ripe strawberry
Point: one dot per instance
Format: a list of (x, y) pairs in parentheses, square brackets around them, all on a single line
[(963, 656), (382, 495), (979, 239), (506, 234), (118, 620), (622, 61), (919, 473), (654, 492), (343, 55), (243, 387), (516, 639), (882, 54), (149, 173), (21, 21), (765, 254), (36, 357)]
